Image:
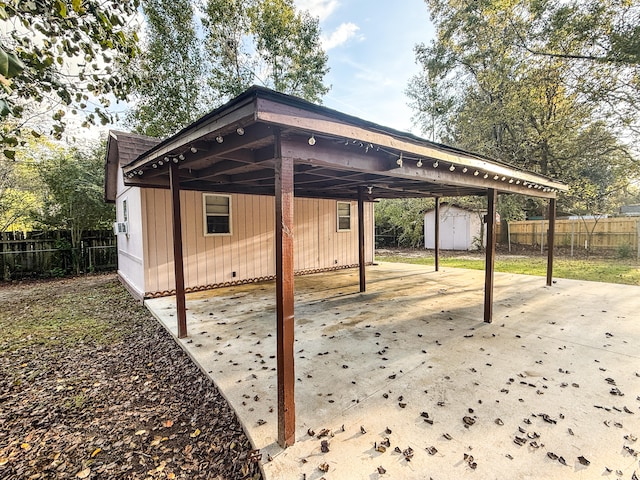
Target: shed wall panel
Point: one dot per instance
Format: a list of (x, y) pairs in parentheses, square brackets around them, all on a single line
[(130, 246), (250, 250)]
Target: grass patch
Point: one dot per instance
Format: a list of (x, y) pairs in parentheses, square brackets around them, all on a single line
[(598, 270), (74, 313)]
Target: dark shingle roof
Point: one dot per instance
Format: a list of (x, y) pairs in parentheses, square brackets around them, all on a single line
[(123, 148)]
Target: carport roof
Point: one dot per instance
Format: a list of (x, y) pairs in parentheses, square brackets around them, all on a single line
[(232, 149)]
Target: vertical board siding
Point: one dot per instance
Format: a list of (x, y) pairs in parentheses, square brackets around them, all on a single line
[(250, 250)]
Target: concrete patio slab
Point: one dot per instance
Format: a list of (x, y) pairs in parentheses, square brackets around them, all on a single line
[(410, 364)]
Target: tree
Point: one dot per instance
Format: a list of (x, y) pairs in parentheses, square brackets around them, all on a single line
[(228, 43), (67, 53), (511, 104), (20, 185), (170, 93), (74, 193), (403, 220), (289, 44), (600, 42), (187, 71), (267, 42)]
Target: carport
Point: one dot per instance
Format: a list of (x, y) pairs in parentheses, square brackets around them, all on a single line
[(264, 142)]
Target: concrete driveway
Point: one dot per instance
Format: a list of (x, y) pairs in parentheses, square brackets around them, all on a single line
[(409, 383)]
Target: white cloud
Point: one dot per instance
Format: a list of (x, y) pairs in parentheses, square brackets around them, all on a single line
[(318, 8), (339, 36)]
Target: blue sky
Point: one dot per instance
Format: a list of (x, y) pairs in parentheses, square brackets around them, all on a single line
[(370, 48)]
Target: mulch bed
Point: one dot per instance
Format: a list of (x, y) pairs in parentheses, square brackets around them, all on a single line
[(127, 404)]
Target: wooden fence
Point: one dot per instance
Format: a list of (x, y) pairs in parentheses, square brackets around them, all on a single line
[(47, 254), (606, 234)]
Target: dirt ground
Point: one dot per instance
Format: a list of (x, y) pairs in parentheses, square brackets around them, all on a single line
[(92, 387)]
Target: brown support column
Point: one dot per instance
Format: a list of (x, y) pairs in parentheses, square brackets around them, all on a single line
[(492, 197), (551, 239), (174, 182), (363, 283), (284, 296), (436, 235)]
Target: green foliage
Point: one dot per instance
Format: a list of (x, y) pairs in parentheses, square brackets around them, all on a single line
[(625, 251), (186, 72), (263, 41), (289, 44), (64, 53), (402, 220), (171, 67), (510, 95), (20, 185), (229, 45), (74, 195)]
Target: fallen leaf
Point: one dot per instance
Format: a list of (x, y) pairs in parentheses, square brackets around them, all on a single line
[(140, 432), (96, 452), (25, 446), (167, 423), (84, 473), (4, 461), (196, 433)]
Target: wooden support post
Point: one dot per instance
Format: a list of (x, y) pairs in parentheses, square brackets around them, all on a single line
[(284, 295), (492, 197), (551, 240), (178, 262), (361, 260), (436, 235)]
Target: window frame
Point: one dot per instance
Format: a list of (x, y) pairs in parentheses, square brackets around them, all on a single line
[(338, 216), (125, 209), (205, 215)]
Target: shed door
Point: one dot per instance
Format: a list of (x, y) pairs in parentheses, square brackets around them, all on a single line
[(460, 232)]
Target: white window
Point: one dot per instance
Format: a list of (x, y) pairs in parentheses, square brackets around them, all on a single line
[(217, 214), (344, 216), (125, 211)]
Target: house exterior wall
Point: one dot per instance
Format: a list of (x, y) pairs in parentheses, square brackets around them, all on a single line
[(131, 262), (250, 249)]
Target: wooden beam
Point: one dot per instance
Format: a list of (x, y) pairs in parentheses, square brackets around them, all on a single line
[(492, 200), (361, 260), (551, 240), (284, 295), (329, 155), (436, 235), (273, 112), (178, 262)]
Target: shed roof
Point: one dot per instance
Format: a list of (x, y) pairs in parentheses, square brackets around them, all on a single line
[(232, 149), (122, 149)]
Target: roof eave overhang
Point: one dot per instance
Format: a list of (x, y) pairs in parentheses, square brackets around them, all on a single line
[(294, 115)]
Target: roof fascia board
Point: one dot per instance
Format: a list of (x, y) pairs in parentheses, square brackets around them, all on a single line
[(241, 114), (317, 155), (275, 113)]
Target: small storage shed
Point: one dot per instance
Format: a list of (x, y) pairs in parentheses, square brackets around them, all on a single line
[(460, 228)]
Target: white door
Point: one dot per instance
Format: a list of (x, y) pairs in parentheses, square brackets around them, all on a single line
[(460, 232)]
